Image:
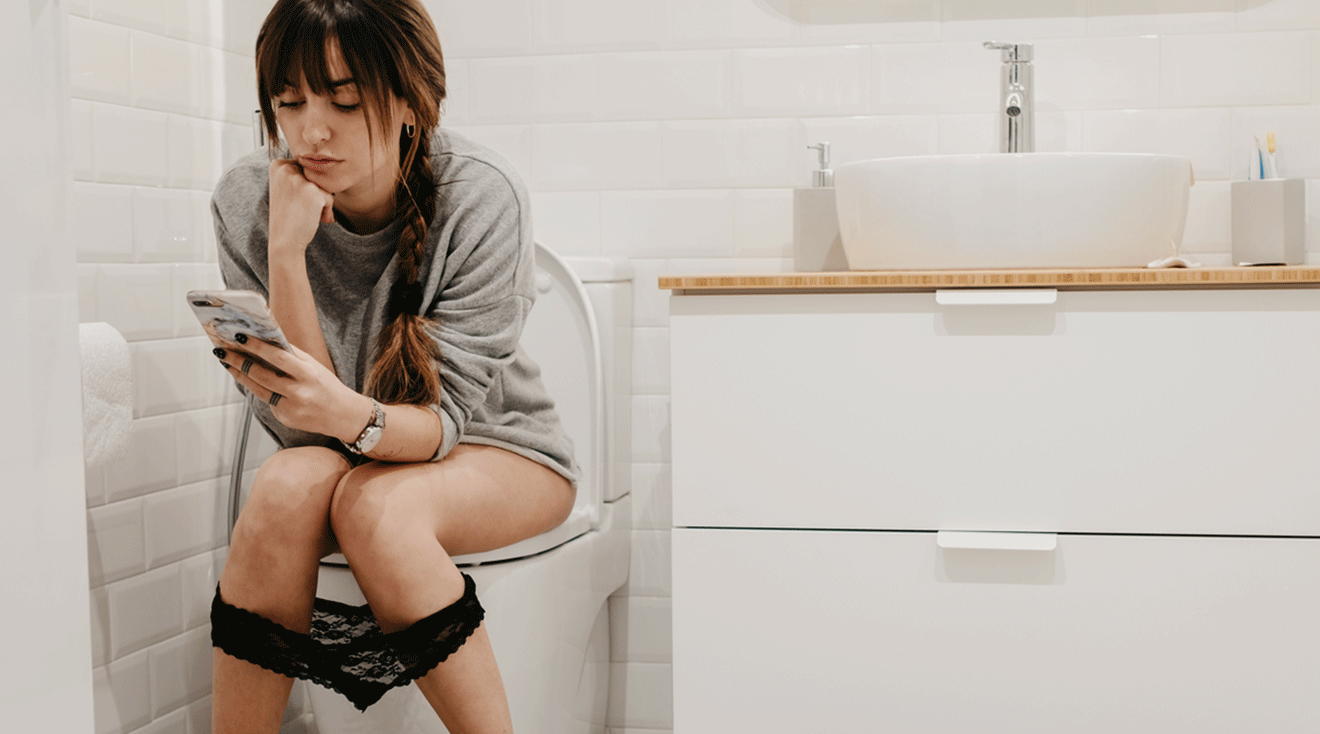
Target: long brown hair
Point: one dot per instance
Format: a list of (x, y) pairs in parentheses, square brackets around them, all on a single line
[(391, 49)]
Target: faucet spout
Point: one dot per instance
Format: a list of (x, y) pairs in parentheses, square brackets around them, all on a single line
[(1017, 96), (1013, 105)]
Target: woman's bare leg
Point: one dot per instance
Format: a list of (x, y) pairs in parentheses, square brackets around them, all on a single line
[(398, 525), (278, 542)]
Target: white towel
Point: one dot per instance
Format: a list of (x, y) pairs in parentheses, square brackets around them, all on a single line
[(107, 393), (1176, 260)]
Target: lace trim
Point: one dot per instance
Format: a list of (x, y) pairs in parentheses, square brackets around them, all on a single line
[(346, 650)]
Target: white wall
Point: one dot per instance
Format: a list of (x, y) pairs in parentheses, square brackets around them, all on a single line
[(672, 132), (162, 97), (46, 683)]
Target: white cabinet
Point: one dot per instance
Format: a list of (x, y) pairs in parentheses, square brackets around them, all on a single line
[(807, 631), (1155, 446)]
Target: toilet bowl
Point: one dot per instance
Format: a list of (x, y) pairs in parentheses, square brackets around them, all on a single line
[(545, 597)]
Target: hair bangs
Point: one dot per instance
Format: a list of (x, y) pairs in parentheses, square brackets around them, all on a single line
[(294, 48), (364, 49)]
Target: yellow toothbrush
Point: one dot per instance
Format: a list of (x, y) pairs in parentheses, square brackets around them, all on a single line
[(1272, 170)]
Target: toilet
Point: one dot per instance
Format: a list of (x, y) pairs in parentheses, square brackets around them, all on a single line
[(545, 597)]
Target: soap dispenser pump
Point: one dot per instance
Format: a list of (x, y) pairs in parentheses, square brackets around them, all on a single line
[(816, 243), (822, 177)]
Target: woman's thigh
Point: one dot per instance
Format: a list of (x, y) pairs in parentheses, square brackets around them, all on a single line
[(478, 498), (289, 502)]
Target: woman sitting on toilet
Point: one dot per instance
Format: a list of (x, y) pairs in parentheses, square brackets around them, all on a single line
[(397, 259)]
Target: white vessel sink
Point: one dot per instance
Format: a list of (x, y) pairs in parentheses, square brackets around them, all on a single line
[(1012, 210)]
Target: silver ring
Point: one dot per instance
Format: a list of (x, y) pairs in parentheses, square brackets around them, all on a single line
[(275, 399), (247, 365)]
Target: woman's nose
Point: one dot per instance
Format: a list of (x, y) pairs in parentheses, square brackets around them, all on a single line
[(316, 129)]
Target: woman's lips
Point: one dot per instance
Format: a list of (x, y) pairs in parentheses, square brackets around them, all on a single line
[(318, 165)]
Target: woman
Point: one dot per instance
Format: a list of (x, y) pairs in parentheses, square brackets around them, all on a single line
[(397, 259)]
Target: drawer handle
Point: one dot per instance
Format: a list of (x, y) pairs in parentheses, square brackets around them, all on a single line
[(980, 540), (997, 296)]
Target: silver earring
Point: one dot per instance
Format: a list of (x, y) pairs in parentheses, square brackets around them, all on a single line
[(409, 130)]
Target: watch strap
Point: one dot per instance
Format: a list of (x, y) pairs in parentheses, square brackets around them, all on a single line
[(377, 421)]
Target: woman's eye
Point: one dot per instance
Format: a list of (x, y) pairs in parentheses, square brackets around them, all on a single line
[(282, 103), (348, 107)]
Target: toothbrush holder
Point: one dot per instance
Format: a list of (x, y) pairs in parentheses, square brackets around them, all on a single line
[(1269, 221)]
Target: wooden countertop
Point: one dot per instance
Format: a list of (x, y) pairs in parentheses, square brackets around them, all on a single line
[(1292, 276)]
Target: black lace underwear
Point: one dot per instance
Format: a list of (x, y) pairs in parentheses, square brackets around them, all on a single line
[(346, 650)]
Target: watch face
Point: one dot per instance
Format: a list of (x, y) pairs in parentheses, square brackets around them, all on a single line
[(370, 439)]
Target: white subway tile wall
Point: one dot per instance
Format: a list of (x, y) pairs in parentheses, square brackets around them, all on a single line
[(975, 20), (129, 145), (762, 227), (728, 153), (99, 61), (103, 229), (532, 88), (562, 26), (786, 81), (665, 85), (121, 694), (694, 223), (570, 219), (162, 98), (670, 132), (1240, 69)]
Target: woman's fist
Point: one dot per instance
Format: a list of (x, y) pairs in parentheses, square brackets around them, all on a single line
[(297, 207)]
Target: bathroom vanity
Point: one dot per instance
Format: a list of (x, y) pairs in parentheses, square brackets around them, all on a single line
[(997, 501)]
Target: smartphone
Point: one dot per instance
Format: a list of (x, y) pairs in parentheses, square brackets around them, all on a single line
[(225, 314)]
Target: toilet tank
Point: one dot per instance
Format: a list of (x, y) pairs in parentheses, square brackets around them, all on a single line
[(579, 333)]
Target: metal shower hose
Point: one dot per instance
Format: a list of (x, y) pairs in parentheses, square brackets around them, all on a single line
[(236, 474)]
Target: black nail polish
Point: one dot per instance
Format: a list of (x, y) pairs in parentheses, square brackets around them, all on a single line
[(218, 352), (240, 338)]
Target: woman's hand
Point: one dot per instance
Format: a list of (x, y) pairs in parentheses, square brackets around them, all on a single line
[(302, 393), (297, 207)]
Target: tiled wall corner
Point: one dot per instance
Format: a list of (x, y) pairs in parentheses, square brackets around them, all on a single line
[(121, 694), (161, 105), (641, 696)]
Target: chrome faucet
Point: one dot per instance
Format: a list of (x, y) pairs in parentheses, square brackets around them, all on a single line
[(1017, 106)]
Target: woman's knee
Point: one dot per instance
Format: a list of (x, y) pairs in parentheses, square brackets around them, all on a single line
[(367, 509), (290, 497)]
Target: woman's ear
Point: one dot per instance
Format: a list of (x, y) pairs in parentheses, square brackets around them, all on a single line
[(403, 112), (406, 120)]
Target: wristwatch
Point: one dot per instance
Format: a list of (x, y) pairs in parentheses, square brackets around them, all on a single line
[(370, 435)]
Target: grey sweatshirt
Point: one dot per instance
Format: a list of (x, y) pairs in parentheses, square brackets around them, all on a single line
[(478, 284)]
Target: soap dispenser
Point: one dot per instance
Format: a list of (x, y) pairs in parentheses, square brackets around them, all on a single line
[(816, 243)]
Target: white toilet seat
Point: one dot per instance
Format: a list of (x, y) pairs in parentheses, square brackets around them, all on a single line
[(577, 525)]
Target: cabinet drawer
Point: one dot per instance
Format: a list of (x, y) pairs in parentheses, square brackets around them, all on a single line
[(795, 631), (1113, 412)]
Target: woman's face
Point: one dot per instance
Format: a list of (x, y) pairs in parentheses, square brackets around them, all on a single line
[(327, 135)]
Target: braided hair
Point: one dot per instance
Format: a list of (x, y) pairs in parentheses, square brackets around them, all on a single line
[(392, 50)]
